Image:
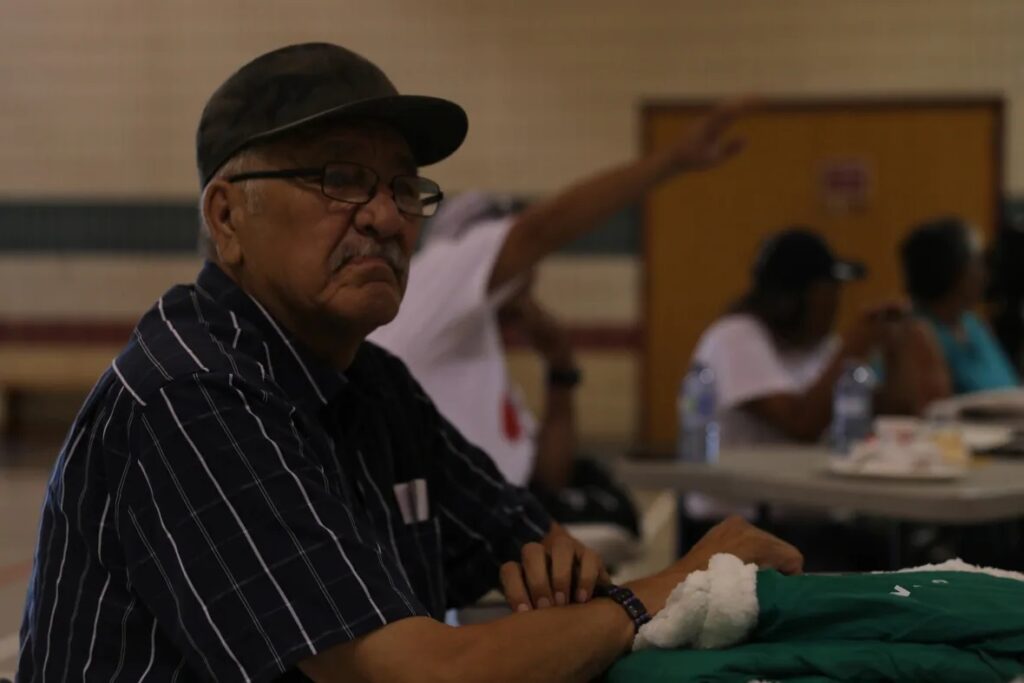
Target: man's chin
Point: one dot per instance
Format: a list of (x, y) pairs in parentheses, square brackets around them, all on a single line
[(373, 305), (381, 316)]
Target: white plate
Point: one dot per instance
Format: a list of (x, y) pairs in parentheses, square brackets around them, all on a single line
[(1002, 403), (980, 437), (881, 469)]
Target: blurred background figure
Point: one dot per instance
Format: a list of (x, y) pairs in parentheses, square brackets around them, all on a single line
[(777, 357), (471, 281), (776, 354), (945, 276), (456, 345), (1005, 291)]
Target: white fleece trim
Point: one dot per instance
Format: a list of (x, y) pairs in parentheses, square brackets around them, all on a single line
[(958, 565), (711, 609)]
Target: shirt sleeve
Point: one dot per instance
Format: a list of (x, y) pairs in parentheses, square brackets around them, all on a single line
[(745, 362), (235, 539), (485, 520)]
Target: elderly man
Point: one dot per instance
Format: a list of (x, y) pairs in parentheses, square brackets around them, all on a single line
[(251, 492)]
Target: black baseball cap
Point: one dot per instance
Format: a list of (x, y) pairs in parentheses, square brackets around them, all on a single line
[(299, 85), (795, 258)]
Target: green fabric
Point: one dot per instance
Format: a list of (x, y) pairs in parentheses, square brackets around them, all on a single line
[(814, 662), (953, 626)]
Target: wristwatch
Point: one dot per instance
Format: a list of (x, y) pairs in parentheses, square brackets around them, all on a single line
[(628, 600), (564, 377)]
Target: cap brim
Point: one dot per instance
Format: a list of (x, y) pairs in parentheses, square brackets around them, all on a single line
[(433, 127), (848, 271)]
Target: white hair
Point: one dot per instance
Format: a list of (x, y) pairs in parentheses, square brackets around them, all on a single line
[(244, 161)]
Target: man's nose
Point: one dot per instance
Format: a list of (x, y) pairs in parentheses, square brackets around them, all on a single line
[(379, 217)]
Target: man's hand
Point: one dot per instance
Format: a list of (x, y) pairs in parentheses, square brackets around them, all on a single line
[(879, 326), (707, 142), (738, 537), (556, 571), (734, 536)]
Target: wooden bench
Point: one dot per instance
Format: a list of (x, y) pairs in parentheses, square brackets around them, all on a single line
[(44, 367)]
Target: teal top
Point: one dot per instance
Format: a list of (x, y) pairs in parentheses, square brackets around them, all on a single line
[(976, 362)]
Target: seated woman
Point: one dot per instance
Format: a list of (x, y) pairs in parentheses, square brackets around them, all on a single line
[(945, 277), (776, 359), (776, 356)]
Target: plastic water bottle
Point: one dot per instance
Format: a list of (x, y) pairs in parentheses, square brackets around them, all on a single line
[(852, 410), (697, 440)]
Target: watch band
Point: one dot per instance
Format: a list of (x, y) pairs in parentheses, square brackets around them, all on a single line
[(629, 602), (566, 378)]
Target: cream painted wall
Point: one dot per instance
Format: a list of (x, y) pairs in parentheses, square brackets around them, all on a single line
[(606, 400), (54, 287), (101, 98)]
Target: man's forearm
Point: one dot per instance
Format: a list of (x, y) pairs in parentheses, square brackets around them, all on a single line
[(556, 440), (901, 391), (816, 402), (554, 645), (573, 643)]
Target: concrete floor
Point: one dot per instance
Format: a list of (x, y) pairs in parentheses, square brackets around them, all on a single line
[(23, 474)]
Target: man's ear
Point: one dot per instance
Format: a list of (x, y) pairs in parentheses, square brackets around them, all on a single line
[(221, 219)]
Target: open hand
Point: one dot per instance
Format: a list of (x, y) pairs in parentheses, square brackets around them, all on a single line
[(708, 142), (734, 536)]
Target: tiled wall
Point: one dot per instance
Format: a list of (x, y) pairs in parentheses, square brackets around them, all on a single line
[(100, 100), (102, 97)]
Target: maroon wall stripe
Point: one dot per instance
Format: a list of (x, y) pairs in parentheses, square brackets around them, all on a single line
[(116, 332)]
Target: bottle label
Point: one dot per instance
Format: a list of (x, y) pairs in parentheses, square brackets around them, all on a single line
[(852, 405)]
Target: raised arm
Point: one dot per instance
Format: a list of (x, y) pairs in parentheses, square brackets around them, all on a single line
[(549, 225)]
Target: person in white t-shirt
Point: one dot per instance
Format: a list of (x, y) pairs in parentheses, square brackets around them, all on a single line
[(473, 273), (776, 358), (776, 355), (449, 333)]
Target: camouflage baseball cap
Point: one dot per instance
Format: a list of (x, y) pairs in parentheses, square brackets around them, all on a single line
[(295, 86)]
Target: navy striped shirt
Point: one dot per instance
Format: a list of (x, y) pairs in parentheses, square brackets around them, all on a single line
[(224, 506)]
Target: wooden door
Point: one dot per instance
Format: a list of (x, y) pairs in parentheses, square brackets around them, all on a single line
[(860, 172)]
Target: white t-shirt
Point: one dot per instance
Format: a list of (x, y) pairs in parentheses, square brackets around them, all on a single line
[(447, 332), (747, 366)]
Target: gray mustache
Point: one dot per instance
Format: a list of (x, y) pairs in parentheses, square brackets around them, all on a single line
[(388, 251)]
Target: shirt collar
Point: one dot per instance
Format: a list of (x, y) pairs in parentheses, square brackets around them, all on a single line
[(304, 378)]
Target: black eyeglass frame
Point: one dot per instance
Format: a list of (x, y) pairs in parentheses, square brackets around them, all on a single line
[(320, 173)]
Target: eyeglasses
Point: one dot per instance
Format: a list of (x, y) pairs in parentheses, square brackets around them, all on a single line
[(357, 184)]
